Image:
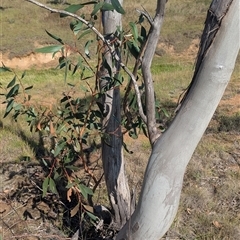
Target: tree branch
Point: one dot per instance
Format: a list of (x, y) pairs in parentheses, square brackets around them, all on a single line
[(108, 44), (146, 71), (215, 15)]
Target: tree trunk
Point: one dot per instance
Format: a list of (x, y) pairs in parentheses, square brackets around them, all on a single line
[(112, 155), (171, 153)]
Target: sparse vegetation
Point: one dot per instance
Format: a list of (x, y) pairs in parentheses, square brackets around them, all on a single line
[(230, 123)]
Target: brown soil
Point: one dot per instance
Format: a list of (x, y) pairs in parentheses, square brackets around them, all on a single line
[(36, 60)]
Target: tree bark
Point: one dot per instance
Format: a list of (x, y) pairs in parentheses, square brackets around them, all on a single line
[(112, 154), (171, 153), (152, 41)]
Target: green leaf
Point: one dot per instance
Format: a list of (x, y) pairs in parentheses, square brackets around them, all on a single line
[(107, 7), (85, 33), (45, 186), (72, 9), (12, 82), (70, 184), (86, 48), (143, 33), (92, 216), (50, 49), (97, 7), (17, 106), (9, 107), (55, 37), (56, 176), (23, 75), (119, 78), (13, 91), (85, 190), (165, 112), (76, 27), (117, 6), (5, 69), (141, 18), (132, 49), (52, 186), (59, 148), (101, 107), (28, 88), (134, 30), (73, 168), (89, 3), (135, 44)]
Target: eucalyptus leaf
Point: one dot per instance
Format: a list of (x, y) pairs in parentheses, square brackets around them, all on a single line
[(45, 186), (72, 9), (107, 7), (92, 216), (52, 186), (134, 30), (86, 48), (13, 91), (59, 148), (12, 82), (96, 8), (49, 49), (85, 190), (9, 107), (55, 37), (117, 6), (5, 69), (28, 88)]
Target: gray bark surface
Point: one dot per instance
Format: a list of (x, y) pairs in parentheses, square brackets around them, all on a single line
[(216, 12), (146, 70), (171, 153)]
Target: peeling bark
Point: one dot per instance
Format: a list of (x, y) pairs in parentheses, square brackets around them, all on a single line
[(112, 155)]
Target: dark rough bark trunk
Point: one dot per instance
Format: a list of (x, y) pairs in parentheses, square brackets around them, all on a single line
[(112, 155)]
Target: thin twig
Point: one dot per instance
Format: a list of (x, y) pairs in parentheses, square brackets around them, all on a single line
[(146, 15)]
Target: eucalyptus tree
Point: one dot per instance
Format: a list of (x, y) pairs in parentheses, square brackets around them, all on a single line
[(112, 152), (171, 150)]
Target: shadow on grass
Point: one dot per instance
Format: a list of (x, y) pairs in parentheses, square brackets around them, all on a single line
[(38, 145), (229, 123)]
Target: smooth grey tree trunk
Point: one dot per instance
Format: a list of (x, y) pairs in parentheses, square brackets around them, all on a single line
[(171, 153), (112, 154)]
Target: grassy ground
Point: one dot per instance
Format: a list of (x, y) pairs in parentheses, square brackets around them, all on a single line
[(210, 201), (23, 24)]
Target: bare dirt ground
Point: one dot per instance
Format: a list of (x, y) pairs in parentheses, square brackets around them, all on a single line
[(36, 60)]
